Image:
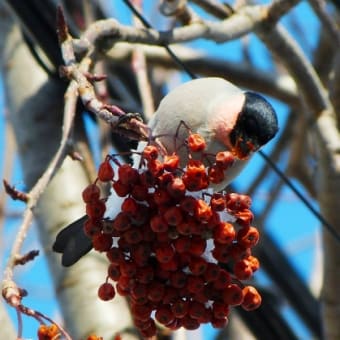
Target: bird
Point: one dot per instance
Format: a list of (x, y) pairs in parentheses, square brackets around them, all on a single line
[(227, 117)]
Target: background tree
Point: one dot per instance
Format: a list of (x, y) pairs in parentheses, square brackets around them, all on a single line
[(48, 116)]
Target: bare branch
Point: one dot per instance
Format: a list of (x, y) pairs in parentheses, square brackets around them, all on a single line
[(247, 19), (14, 193)]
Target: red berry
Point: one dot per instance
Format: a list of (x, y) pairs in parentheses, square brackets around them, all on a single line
[(128, 268), (237, 252), (133, 236), (102, 242), (224, 159), (196, 310), (189, 204), (139, 293), (184, 259), (140, 253), (171, 162), (105, 171), (92, 227), (91, 193), (217, 202), (164, 253), (171, 265), (156, 291), (253, 262), (197, 246), (203, 211), (216, 174), (251, 298), (248, 237), (95, 209), (180, 308), (156, 167), (127, 174), (150, 152), (161, 197), (182, 244), (195, 284), (139, 192), (221, 252), (164, 315), (114, 272), (196, 142), (195, 178), (243, 270), (115, 255), (176, 188), (164, 179), (122, 222), (145, 274), (201, 296), (184, 228), (232, 295), (121, 189), (150, 331), (163, 237), (141, 312), (158, 224), (222, 281), (238, 202), (198, 265), (190, 323), (123, 286), (220, 310), (147, 179), (224, 233), (106, 292), (244, 217), (212, 272), (129, 206), (178, 279), (173, 216)]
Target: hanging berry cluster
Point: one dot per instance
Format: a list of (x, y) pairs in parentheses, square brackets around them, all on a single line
[(176, 249), (48, 332)]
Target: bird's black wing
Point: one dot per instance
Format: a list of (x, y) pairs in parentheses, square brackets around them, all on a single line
[(72, 242)]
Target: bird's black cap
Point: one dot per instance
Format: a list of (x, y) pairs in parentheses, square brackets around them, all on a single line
[(256, 124)]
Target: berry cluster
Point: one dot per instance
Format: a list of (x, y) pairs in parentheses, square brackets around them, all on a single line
[(176, 249), (50, 332)]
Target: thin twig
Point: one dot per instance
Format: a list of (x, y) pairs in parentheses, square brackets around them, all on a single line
[(281, 43), (10, 291), (328, 24), (215, 8), (14, 193), (180, 10), (139, 66)]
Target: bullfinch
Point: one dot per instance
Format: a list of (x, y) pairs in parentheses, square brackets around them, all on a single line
[(224, 115)]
